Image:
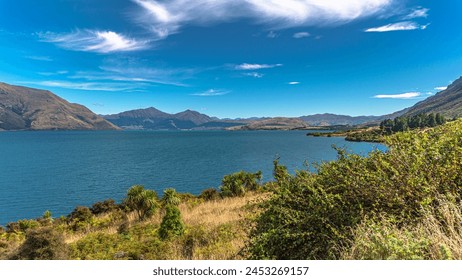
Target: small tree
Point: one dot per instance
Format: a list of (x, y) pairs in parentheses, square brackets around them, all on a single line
[(170, 197), (172, 224), (143, 202), (238, 183)]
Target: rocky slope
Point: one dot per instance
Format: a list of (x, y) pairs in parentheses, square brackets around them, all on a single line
[(447, 102), (23, 108)]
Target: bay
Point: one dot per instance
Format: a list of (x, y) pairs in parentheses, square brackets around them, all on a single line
[(59, 170)]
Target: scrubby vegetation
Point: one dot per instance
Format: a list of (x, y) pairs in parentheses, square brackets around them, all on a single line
[(212, 225), (405, 203), (386, 128), (370, 207)]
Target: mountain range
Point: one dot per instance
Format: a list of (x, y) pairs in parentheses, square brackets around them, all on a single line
[(23, 108)]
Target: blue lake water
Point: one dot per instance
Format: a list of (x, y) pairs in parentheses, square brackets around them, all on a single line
[(59, 170)]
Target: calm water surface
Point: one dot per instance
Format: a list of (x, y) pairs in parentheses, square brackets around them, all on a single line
[(57, 171)]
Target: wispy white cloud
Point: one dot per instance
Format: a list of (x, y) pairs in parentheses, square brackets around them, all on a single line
[(62, 72), (272, 34), (441, 88), (93, 86), (294, 83), (249, 66), (407, 95), (254, 74), (94, 41), (39, 58), (300, 35), (212, 92), (419, 12), (399, 26), (167, 17)]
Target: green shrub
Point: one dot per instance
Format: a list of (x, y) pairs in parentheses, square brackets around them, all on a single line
[(312, 215), (42, 244), (22, 226), (143, 202), (209, 194), (172, 224), (237, 184), (103, 207)]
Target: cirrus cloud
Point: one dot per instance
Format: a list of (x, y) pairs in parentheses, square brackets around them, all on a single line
[(94, 41), (249, 66), (164, 17), (407, 95), (399, 26), (212, 92)]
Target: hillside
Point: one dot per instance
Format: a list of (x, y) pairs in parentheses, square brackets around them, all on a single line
[(151, 118), (23, 108), (447, 102), (333, 119), (273, 124)]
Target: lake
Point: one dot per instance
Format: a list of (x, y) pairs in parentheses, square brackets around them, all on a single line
[(59, 170)]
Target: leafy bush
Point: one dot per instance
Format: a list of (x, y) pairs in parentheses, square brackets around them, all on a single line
[(238, 183), (209, 194), (103, 207), (311, 216), (171, 225), (170, 197), (22, 226), (143, 202), (42, 244)]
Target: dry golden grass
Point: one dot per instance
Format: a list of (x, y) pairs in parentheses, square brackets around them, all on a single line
[(217, 212), (437, 236), (443, 227)]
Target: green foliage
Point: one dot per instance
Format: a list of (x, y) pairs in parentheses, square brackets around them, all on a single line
[(237, 184), (22, 226), (405, 123), (81, 214), (172, 224), (171, 197), (143, 202), (209, 194), (103, 207), (42, 244), (383, 240), (311, 216)]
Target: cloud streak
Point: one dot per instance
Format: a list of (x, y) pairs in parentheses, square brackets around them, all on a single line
[(407, 95), (441, 88), (249, 66), (417, 13), (300, 35), (212, 92), (87, 86), (94, 41), (164, 17), (399, 26)]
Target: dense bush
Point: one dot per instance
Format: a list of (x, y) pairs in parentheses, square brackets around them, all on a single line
[(172, 224), (143, 202), (209, 194), (42, 244), (311, 216), (103, 207), (237, 184)]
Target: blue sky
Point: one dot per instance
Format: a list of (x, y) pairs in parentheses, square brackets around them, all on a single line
[(234, 58)]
